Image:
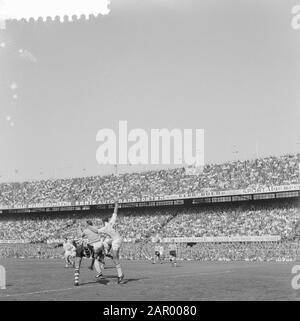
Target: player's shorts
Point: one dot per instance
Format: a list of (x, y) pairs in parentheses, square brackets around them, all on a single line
[(157, 253), (108, 241), (69, 253), (173, 253), (107, 245), (82, 249), (116, 244), (97, 246)]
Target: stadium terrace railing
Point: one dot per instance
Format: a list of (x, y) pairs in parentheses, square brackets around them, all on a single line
[(212, 239), (251, 193), (223, 239), (14, 241)]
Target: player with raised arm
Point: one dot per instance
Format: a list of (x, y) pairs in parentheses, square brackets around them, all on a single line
[(108, 230)]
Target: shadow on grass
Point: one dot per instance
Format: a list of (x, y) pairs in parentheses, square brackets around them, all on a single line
[(125, 281), (108, 278), (101, 281)]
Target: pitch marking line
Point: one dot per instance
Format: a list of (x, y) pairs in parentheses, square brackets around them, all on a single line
[(48, 291), (91, 286)]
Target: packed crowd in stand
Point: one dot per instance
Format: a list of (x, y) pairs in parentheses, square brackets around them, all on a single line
[(228, 221), (268, 171), (42, 228), (225, 252), (278, 218), (139, 225)]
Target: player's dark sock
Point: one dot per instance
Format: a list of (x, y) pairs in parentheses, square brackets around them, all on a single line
[(91, 267)]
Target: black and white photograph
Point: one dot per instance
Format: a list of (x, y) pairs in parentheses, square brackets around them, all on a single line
[(149, 152)]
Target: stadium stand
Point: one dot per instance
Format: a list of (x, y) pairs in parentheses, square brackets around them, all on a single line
[(138, 226), (270, 171)]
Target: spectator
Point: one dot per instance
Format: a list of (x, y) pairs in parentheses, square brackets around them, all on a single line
[(261, 172)]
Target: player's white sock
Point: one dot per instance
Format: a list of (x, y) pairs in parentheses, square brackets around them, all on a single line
[(119, 270), (97, 266)]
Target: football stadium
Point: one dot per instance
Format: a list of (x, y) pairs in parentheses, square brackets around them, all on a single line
[(73, 229), (241, 233)]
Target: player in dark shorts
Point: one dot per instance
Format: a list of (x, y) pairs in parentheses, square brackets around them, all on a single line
[(86, 250), (39, 253), (100, 255), (173, 253), (156, 253)]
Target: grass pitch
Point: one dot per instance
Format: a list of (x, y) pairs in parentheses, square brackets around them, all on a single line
[(32, 279)]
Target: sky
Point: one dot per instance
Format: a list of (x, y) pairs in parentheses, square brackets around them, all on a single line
[(229, 67)]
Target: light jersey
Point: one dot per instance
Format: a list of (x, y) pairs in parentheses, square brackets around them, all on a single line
[(107, 241), (90, 235), (161, 249), (108, 228), (157, 248), (68, 246)]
